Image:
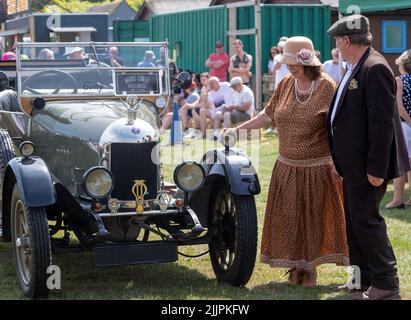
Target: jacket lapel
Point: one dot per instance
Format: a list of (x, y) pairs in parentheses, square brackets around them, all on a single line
[(353, 74)]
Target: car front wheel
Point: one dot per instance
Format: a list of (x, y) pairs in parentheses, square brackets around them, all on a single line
[(31, 246), (234, 242)]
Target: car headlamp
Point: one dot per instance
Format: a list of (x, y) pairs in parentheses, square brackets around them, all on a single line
[(98, 182), (26, 148), (160, 102), (189, 176)]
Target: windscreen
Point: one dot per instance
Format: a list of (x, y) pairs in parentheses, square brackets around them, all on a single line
[(93, 69)]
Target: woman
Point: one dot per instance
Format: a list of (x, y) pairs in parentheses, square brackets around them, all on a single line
[(404, 107), (273, 53), (304, 224)]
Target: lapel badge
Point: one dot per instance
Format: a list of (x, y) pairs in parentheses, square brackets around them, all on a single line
[(353, 84), (139, 190)]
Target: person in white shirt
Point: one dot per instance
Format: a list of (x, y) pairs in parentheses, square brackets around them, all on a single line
[(242, 106), (332, 67), (280, 70), (220, 94)]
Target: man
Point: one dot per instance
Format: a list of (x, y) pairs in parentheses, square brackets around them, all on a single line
[(332, 67), (74, 53), (218, 62), (240, 63), (46, 54), (220, 94), (114, 60), (148, 60), (368, 149), (241, 108)]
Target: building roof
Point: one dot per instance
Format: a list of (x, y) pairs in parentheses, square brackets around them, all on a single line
[(110, 8), (332, 3), (169, 6)]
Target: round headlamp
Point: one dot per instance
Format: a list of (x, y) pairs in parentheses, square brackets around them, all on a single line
[(160, 102), (98, 182), (189, 176), (26, 148)]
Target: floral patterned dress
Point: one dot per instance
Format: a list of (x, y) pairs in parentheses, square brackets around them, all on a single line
[(304, 224)]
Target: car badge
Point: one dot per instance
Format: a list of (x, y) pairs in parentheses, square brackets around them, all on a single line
[(139, 189), (135, 130), (132, 101), (163, 200)]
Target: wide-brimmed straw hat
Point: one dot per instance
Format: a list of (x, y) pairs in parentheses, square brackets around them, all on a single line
[(70, 50), (299, 51)]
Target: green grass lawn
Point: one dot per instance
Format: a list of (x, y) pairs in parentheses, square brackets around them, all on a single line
[(193, 278)]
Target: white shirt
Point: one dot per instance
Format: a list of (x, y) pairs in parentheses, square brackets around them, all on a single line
[(246, 95), (222, 95), (340, 90), (333, 70), (281, 72)]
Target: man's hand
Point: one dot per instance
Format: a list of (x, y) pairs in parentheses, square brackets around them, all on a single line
[(376, 182)]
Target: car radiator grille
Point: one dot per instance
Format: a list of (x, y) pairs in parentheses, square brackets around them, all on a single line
[(129, 162)]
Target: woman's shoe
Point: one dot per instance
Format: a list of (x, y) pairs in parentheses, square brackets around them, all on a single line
[(400, 206), (296, 276), (310, 278)]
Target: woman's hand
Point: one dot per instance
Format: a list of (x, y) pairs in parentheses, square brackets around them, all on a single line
[(229, 132), (334, 174)]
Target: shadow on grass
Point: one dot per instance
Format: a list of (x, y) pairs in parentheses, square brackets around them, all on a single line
[(280, 291), (81, 280)]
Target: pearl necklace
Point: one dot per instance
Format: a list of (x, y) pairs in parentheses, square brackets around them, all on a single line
[(298, 90)]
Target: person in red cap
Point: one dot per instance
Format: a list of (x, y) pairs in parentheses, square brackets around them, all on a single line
[(218, 62)]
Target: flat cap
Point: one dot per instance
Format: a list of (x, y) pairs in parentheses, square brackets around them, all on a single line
[(354, 24)]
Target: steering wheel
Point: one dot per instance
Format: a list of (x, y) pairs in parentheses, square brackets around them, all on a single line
[(37, 76)]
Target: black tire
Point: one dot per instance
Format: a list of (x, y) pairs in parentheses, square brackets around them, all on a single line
[(234, 237), (31, 258), (6, 154)]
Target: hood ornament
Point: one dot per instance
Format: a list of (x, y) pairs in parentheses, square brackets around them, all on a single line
[(132, 104)]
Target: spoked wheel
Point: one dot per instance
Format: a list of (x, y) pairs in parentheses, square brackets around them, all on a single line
[(31, 246), (234, 245)]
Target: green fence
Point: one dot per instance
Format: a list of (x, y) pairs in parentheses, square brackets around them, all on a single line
[(287, 20), (192, 34)]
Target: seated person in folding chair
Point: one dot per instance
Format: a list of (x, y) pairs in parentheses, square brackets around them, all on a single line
[(242, 106)]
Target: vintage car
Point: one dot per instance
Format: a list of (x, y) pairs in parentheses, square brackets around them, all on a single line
[(81, 169)]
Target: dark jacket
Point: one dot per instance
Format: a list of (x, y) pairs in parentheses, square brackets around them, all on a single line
[(367, 136)]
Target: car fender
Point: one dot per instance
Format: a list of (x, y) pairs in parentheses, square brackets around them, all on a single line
[(33, 180), (236, 167)]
